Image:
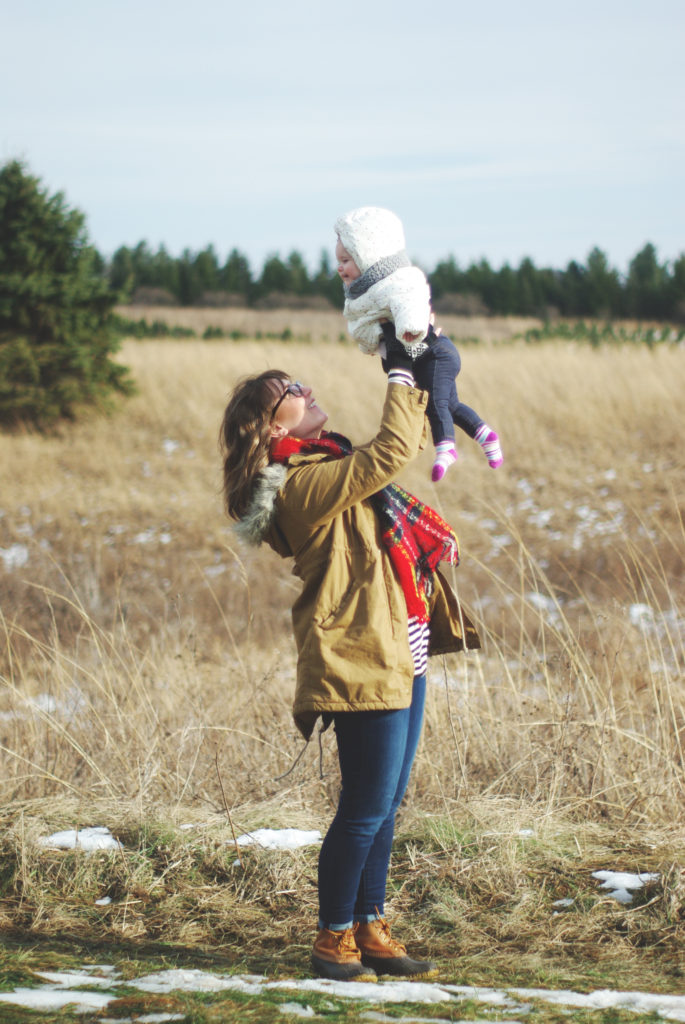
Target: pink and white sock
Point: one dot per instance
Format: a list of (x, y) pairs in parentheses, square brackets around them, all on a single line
[(489, 442), (445, 455)]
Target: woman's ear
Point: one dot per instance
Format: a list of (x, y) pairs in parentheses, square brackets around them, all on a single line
[(277, 430)]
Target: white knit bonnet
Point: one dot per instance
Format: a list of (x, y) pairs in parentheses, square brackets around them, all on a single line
[(369, 234)]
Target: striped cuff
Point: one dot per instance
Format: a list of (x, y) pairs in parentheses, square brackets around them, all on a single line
[(398, 376)]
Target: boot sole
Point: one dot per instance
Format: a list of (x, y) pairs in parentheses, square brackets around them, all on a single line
[(398, 967), (343, 972)]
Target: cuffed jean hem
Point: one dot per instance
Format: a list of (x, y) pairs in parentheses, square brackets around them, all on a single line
[(337, 927), (366, 918)]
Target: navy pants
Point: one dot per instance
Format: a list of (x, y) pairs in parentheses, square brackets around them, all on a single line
[(435, 371), (376, 750)]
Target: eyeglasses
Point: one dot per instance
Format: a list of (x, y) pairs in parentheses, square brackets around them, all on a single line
[(295, 389)]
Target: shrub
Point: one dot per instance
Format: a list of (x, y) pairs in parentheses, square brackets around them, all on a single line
[(56, 336)]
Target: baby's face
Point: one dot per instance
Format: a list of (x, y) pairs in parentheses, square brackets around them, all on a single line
[(347, 268)]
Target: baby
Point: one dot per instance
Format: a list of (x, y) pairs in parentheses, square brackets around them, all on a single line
[(386, 298)]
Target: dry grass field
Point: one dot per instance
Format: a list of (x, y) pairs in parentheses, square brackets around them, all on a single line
[(146, 660)]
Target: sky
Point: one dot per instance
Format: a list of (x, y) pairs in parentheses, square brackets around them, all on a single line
[(495, 130)]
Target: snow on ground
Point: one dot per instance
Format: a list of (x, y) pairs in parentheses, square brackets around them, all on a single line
[(279, 839), (89, 839), (622, 884), (62, 990), (16, 556)]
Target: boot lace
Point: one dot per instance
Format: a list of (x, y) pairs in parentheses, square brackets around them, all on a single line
[(345, 941), (385, 937)]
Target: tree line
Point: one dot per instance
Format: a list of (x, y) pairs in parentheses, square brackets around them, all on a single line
[(650, 289), (58, 332)]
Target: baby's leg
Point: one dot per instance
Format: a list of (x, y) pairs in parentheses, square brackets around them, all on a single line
[(471, 423), (435, 373)]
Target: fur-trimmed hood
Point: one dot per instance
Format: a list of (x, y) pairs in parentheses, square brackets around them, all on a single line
[(256, 522)]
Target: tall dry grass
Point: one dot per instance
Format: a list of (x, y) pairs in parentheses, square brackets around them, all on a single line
[(145, 652)]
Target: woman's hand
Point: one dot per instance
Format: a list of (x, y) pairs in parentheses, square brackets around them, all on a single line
[(396, 356)]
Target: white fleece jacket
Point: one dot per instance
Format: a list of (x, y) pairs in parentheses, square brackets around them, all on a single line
[(370, 234)]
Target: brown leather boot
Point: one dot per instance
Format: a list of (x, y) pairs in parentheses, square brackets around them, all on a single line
[(387, 956), (336, 956)]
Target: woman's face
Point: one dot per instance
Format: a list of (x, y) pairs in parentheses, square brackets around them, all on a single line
[(297, 413)]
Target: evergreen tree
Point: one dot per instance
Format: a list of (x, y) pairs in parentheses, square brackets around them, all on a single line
[(676, 291), (529, 295), (275, 276), (122, 275), (647, 285), (236, 276), (56, 337), (299, 278), (206, 267), (326, 281), (446, 279), (602, 286)]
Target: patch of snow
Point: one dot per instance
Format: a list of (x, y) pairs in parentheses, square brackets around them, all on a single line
[(147, 1018), (98, 837), (541, 517), (192, 980), (72, 978), (383, 1017), (47, 999), (297, 1009), (169, 446), (215, 570), (621, 885), (45, 702), (566, 902), (668, 1007), (144, 537), (279, 839), (59, 995), (640, 613), (104, 902), (15, 556), (546, 605)]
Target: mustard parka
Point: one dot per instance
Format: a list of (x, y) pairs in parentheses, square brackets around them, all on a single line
[(350, 620)]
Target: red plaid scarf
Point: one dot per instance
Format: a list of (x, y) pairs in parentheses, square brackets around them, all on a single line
[(416, 537)]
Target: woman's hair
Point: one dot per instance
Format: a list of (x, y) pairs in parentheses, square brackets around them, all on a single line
[(245, 436)]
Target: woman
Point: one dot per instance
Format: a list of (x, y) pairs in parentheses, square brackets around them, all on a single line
[(372, 607)]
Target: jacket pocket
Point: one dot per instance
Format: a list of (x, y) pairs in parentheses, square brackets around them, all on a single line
[(346, 590), (337, 612)]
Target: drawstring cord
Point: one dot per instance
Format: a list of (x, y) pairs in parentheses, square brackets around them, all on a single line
[(299, 757)]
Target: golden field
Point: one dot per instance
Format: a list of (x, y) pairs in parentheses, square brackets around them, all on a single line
[(141, 641), (147, 669)]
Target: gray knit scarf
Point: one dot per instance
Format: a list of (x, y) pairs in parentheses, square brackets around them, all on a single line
[(376, 272)]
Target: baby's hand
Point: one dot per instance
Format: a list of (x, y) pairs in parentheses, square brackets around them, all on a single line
[(411, 338)]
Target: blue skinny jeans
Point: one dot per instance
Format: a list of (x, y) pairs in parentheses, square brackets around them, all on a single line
[(376, 750)]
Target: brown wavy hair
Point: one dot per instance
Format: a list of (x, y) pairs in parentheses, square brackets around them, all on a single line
[(245, 437)]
